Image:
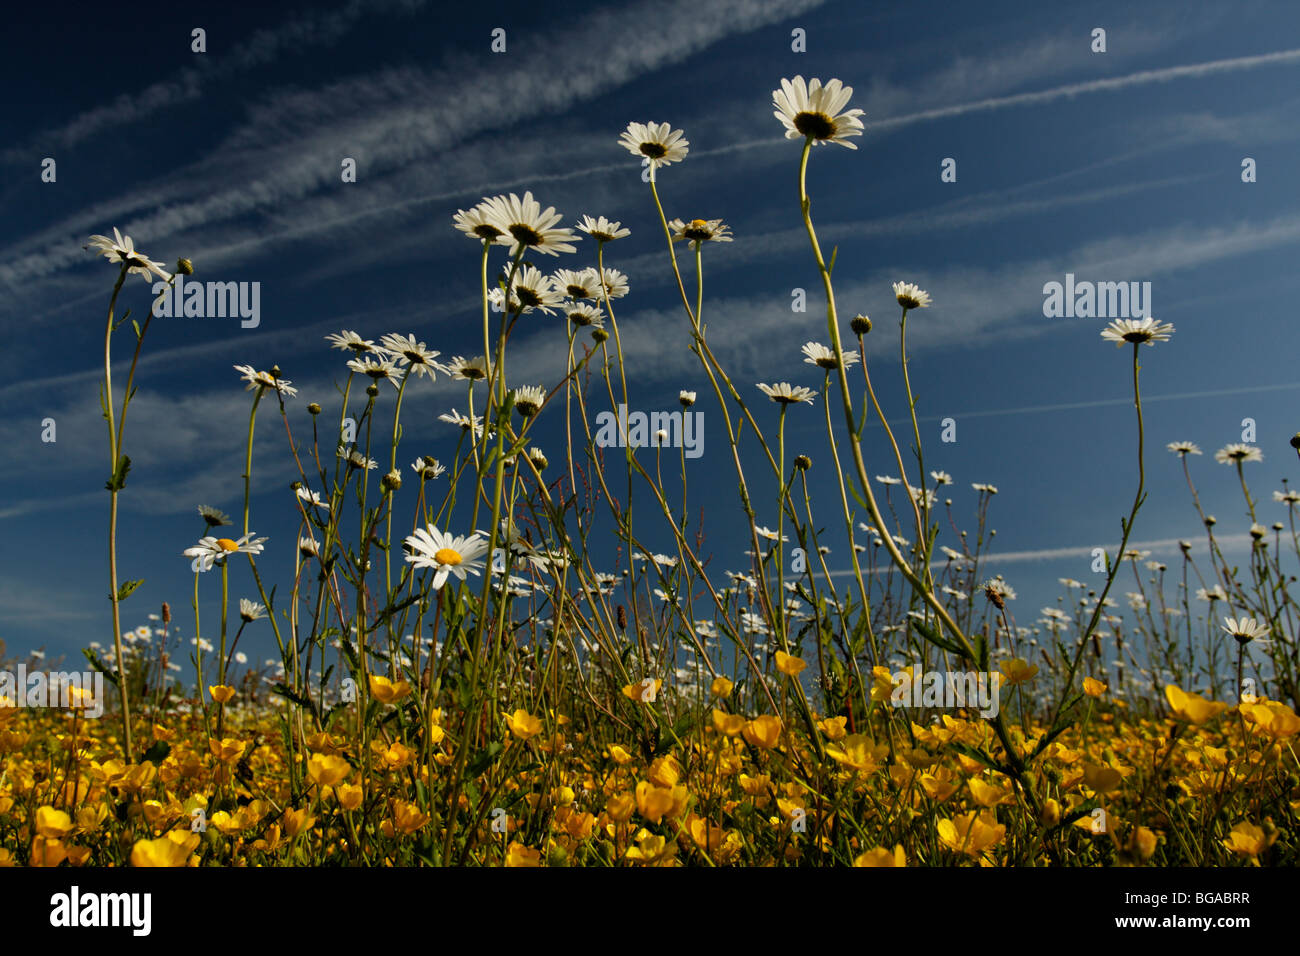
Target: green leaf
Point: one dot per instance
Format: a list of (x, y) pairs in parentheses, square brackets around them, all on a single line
[(932, 636), (118, 480), (136, 325), (284, 691), (100, 666), (157, 753), (126, 590)]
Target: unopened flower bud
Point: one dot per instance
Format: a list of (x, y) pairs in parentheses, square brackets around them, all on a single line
[(860, 325), (185, 267)]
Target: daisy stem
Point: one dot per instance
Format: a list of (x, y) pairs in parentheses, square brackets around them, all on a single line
[(922, 507), (1115, 566), (114, 452), (248, 453)]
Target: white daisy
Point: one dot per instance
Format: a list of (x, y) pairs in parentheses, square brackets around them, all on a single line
[(470, 370), (250, 611), (787, 394), (1245, 629), (213, 517), (602, 229), (312, 498), (1137, 331), (525, 225), (582, 315), (447, 555), (478, 222), (417, 356), (817, 354), (657, 143), (1236, 452), (121, 249), (256, 379), (1183, 448), (378, 367), (428, 467), (350, 341), (613, 284), (813, 110), (700, 230), (210, 550), (529, 399), (355, 459), (911, 296)]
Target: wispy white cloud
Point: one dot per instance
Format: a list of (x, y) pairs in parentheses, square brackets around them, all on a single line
[(310, 30)]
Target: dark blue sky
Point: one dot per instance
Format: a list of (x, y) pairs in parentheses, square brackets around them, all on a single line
[(1115, 166)]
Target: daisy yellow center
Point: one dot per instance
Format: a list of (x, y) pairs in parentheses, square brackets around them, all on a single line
[(653, 150), (225, 544), (699, 224), (447, 556), (816, 125)]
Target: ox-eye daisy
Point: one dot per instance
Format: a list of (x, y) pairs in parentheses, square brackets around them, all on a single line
[(602, 230), (812, 110), (1138, 331), (657, 143), (1236, 452), (210, 550), (525, 225), (787, 394), (911, 296), (121, 249), (447, 555)]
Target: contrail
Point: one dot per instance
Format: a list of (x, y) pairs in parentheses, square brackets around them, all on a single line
[(1142, 78), (1227, 542), (1098, 403)]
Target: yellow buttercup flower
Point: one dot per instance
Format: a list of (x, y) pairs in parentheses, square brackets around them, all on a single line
[(879, 856), (221, 692), (1273, 718), (641, 690), (763, 732), (856, 750), (789, 665), (350, 795), (327, 770), (833, 727), (519, 855), (1093, 687), (227, 750), (1017, 671), (728, 724), (523, 724), (620, 807), (52, 824), (971, 834), (174, 849), (1101, 779), (1246, 839), (721, 687), (387, 692), (407, 817), (297, 821), (1192, 707)]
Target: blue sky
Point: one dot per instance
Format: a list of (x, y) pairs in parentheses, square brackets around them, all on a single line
[(1115, 166)]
